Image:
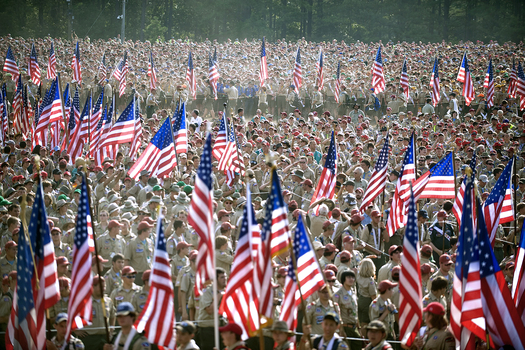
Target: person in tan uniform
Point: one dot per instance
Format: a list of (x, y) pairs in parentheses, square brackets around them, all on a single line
[(64, 284), (346, 297), (205, 317), (367, 290), (317, 309), (330, 322), (383, 309), (437, 292), (222, 255), (139, 299), (436, 335), (126, 316), (8, 263), (94, 335), (114, 276), (128, 288), (139, 252), (111, 243)]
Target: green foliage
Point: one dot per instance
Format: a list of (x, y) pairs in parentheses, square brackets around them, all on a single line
[(316, 20)]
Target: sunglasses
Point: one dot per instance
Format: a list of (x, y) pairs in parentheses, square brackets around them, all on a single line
[(130, 276), (331, 281), (55, 234)]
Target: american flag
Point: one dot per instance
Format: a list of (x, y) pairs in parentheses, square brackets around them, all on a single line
[(440, 180), (97, 133), (77, 141), (337, 82), (159, 157), (468, 85), (319, 65), (498, 208), (121, 73), (50, 111), (397, 215), (489, 85), (152, 74), (520, 86), (27, 112), (275, 239), (237, 301), (309, 274), (434, 84), (28, 316), (52, 64), (378, 79), (511, 91), (457, 209), (462, 72), (3, 107), (5, 121), (158, 316), (297, 72), (213, 73), (410, 294), (404, 80), (18, 105), (74, 117), (191, 78), (107, 151), (326, 185), (123, 131), (76, 66), (102, 71), (96, 124), (33, 68), (10, 65), (200, 217), (466, 296), (378, 180), (137, 138), (518, 283), (503, 321), (180, 133), (220, 141), (231, 159), (79, 306), (263, 69)]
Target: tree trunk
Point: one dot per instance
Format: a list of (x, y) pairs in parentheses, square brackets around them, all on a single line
[(309, 18), (283, 19), (143, 19), (170, 18)]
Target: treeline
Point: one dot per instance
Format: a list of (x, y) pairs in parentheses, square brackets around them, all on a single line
[(316, 20)]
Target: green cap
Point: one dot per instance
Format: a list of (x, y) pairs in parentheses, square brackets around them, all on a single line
[(157, 188)]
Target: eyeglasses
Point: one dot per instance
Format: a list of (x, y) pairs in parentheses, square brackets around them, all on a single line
[(55, 234), (331, 281), (324, 291), (130, 276)]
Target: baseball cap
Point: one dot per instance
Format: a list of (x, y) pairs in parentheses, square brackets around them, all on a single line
[(332, 316), (182, 245), (426, 268), (445, 259), (345, 256), (144, 225), (193, 255), (426, 248), (442, 214), (384, 285), (114, 223), (61, 317), (376, 325), (62, 260), (231, 327), (329, 275), (330, 247), (145, 275), (393, 248), (435, 308), (348, 238), (186, 326), (125, 308), (127, 270), (10, 244), (396, 270)]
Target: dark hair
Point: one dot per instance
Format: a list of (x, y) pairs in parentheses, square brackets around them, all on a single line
[(219, 271), (117, 256), (240, 110), (439, 283), (177, 224), (345, 274), (196, 111), (438, 321), (327, 253)]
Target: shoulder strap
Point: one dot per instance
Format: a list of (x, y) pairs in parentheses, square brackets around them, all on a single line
[(135, 338), (317, 341), (370, 228)]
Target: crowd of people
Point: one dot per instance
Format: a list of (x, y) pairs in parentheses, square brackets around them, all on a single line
[(273, 124)]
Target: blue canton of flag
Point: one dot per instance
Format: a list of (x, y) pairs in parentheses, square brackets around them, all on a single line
[(87, 109), (25, 272), (163, 137), (382, 160), (76, 106), (204, 171), (66, 97)]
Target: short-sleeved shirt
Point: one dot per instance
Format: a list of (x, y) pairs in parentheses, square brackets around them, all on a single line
[(107, 247), (139, 300), (113, 281), (204, 319), (121, 295), (366, 286), (7, 266), (347, 301), (315, 312), (430, 298), (139, 253), (97, 321), (177, 263), (377, 307)]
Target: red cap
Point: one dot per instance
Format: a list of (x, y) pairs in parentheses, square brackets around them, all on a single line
[(427, 249), (231, 327), (282, 271), (149, 220), (5, 281), (10, 244), (330, 247), (396, 270), (345, 255), (336, 212), (326, 224), (193, 255), (348, 238), (182, 245), (97, 279), (127, 270), (445, 259), (222, 212), (357, 218), (114, 223), (435, 308), (144, 225), (307, 182), (375, 214), (145, 275), (64, 282), (384, 285), (227, 226), (62, 260), (442, 214), (426, 269), (393, 248), (329, 275)]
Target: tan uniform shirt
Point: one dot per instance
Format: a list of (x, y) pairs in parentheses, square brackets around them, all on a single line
[(121, 295), (98, 316), (139, 253), (107, 247), (6, 266), (367, 286), (139, 300), (347, 301), (315, 312), (113, 281), (377, 307)]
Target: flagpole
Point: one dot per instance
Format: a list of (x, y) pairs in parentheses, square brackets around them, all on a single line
[(99, 272), (62, 104), (215, 301), (455, 183), (515, 202)]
